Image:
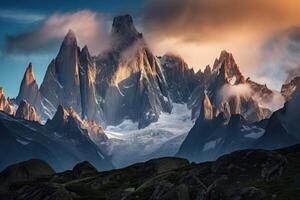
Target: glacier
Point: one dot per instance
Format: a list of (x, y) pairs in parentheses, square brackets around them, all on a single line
[(127, 144)]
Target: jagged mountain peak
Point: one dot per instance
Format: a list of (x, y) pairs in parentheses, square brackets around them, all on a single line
[(85, 55), (29, 74), (207, 70), (124, 32), (61, 84), (123, 23), (29, 91), (1, 91), (85, 51), (225, 55), (70, 37), (228, 68), (61, 113), (27, 111)]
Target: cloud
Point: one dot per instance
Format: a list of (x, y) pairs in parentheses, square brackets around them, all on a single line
[(280, 60), (198, 20), (89, 27), (21, 16), (276, 102), (228, 91), (243, 90)]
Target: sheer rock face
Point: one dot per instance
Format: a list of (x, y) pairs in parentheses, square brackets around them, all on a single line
[(288, 89), (91, 110), (230, 93), (130, 83), (206, 109), (27, 111), (29, 89), (61, 85), (5, 105), (181, 80), (69, 118)]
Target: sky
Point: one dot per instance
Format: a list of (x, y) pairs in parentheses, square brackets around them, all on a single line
[(263, 35)]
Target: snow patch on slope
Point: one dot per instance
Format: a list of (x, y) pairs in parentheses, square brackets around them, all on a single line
[(127, 144)]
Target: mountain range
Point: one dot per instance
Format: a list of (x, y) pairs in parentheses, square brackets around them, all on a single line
[(65, 120)]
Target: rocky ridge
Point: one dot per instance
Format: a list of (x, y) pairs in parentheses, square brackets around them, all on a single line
[(5, 105), (247, 174), (27, 111)]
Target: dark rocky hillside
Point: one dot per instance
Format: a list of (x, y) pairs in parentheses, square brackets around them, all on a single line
[(246, 174)]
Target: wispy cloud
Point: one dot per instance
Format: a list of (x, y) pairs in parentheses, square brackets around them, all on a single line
[(89, 27), (21, 16)]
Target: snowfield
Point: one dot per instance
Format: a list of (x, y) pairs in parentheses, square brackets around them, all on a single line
[(127, 144)]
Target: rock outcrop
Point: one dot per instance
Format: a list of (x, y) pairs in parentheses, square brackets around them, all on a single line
[(5, 105), (84, 169), (25, 171), (27, 111), (246, 174)]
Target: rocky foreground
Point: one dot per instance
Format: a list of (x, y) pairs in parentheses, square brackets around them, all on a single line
[(246, 174)]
